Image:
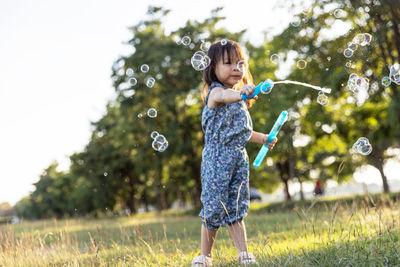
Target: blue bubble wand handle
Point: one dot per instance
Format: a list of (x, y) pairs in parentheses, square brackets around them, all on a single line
[(264, 87), (271, 136)]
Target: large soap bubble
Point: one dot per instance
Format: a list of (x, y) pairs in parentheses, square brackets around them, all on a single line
[(200, 61), (362, 146)]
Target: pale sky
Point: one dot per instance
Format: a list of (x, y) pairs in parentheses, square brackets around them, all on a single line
[(55, 67)]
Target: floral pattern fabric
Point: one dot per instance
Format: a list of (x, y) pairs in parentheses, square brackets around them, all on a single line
[(225, 164)]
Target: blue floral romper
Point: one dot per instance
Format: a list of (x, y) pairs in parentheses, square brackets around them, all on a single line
[(225, 164)]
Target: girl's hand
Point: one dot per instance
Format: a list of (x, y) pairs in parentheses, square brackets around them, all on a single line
[(248, 90), (272, 144)]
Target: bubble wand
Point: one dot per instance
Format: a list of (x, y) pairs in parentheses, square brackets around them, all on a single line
[(265, 87), (271, 136)]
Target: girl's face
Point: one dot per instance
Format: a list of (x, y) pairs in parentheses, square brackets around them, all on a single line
[(227, 71)]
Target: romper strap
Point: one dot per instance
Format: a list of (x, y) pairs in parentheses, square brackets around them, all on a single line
[(212, 86)]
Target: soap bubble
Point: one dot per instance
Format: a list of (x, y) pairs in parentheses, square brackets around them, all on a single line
[(274, 58), (362, 39), (163, 146), (154, 134), (301, 64), (160, 143), (223, 42), (357, 83), (150, 82), (386, 81), (204, 46), (152, 112), (348, 52), (348, 64), (132, 81), (140, 115), (322, 98), (339, 13), (200, 61), (156, 145), (129, 72), (395, 73), (186, 40), (295, 21), (367, 39), (241, 65), (362, 146), (144, 68), (160, 138), (353, 46)]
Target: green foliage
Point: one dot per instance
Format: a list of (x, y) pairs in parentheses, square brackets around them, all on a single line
[(119, 172)]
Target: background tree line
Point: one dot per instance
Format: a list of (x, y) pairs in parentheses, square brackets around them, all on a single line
[(118, 171)]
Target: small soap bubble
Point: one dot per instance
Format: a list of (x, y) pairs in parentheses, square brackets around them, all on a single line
[(357, 83), (386, 81), (150, 82), (156, 145), (186, 40), (204, 46), (322, 99), (274, 58), (348, 64), (154, 134), (144, 68), (163, 146), (140, 115), (339, 13), (160, 143), (353, 46), (395, 73), (301, 64), (367, 38), (152, 112), (348, 52), (224, 42), (132, 81), (362, 146), (241, 65), (160, 138), (328, 58), (362, 39), (129, 72), (295, 21)]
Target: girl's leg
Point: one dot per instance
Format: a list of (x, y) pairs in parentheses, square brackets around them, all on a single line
[(207, 240), (238, 234)]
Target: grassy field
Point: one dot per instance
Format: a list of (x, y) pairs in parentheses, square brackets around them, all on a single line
[(363, 231)]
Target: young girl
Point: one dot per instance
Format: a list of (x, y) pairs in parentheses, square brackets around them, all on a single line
[(227, 127)]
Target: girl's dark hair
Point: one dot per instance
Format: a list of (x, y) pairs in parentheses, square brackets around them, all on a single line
[(216, 53)]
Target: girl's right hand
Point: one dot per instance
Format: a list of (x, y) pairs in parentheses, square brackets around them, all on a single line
[(248, 90)]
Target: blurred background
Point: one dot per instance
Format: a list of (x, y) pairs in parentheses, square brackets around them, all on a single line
[(75, 99)]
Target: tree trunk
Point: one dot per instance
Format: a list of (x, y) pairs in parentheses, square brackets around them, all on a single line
[(132, 203), (284, 173), (301, 188), (378, 163), (286, 190)]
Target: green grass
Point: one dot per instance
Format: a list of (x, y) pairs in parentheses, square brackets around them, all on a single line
[(358, 231)]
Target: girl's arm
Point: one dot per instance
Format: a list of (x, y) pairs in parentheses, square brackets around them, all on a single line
[(261, 138), (220, 96)]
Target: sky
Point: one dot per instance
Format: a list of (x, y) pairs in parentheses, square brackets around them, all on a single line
[(55, 68)]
